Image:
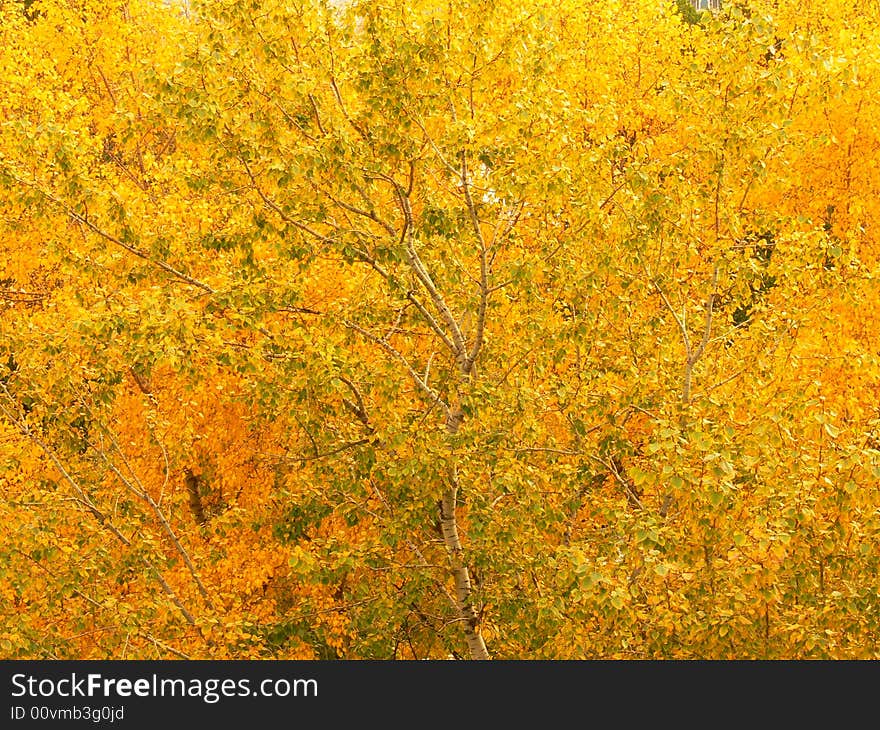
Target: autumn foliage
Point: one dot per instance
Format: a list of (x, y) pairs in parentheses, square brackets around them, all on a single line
[(439, 328)]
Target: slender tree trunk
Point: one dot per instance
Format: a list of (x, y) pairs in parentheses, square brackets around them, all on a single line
[(461, 575)]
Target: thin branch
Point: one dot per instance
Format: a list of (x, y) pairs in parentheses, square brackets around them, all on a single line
[(345, 114), (42, 567), (410, 297), (707, 332), (472, 210), (299, 310), (417, 379), (509, 222), (459, 345), (104, 80), (612, 468), (157, 511), (544, 450), (707, 329), (678, 320), (358, 409), (449, 166), (614, 192), (142, 493), (414, 547), (344, 447), (171, 594), (83, 499), (725, 381), (83, 219), (428, 367), (468, 365), (317, 115), (162, 645), (272, 205)]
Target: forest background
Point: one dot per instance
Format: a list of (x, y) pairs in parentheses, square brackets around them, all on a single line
[(439, 328)]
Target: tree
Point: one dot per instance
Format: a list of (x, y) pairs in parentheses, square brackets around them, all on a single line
[(439, 329)]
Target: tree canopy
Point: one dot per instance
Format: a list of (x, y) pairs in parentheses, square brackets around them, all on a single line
[(473, 328)]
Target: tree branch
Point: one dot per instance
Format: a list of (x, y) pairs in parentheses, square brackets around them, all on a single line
[(417, 379)]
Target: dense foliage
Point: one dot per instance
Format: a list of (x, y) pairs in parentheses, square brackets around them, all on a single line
[(385, 329)]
